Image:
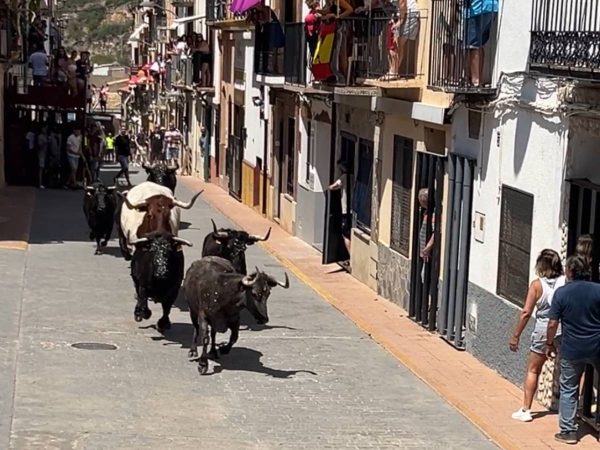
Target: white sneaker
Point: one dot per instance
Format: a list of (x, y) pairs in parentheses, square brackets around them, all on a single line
[(522, 415)]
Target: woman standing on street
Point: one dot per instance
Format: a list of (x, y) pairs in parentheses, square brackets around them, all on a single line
[(538, 301)]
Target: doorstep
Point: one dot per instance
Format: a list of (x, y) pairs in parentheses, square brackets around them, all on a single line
[(479, 393)]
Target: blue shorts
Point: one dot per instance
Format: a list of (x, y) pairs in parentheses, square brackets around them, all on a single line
[(73, 161), (173, 153), (477, 29)]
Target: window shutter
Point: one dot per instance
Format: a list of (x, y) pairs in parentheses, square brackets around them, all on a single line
[(401, 194), (515, 244)]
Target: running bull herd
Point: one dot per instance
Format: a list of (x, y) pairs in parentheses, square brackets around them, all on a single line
[(216, 287)]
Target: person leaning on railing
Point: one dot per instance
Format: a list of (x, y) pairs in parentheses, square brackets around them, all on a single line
[(335, 10)]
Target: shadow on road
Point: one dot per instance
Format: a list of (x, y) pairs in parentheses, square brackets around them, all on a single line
[(247, 360)]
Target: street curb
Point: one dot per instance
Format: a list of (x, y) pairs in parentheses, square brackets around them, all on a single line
[(372, 332), (21, 206)]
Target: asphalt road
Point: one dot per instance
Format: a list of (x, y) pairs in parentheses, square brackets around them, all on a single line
[(308, 380)]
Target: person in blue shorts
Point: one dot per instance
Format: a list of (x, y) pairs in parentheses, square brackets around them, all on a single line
[(480, 17)]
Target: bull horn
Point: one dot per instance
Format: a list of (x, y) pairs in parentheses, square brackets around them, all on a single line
[(111, 188), (128, 203), (187, 205), (90, 189), (218, 234), (257, 237), (183, 241), (139, 241), (285, 284), (249, 280)]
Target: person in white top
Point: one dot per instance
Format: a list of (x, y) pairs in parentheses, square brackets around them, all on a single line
[(39, 63), (549, 269), (341, 184), (73, 155)]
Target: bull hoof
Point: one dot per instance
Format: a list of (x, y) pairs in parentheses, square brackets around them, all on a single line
[(225, 349), (137, 317), (104, 243), (92, 236), (146, 314), (193, 354), (203, 368), (98, 252), (163, 324)]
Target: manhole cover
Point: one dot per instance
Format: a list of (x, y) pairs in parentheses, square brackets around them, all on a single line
[(93, 346)]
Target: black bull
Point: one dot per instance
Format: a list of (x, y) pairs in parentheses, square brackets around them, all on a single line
[(99, 206), (216, 293), (231, 245), (157, 271), (162, 174)]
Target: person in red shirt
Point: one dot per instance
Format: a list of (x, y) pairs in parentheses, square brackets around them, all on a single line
[(311, 26)]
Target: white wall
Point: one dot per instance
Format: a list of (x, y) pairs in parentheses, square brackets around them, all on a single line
[(254, 125), (321, 148), (528, 154), (514, 24)]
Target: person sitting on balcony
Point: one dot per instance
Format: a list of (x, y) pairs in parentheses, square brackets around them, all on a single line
[(480, 16), (405, 28), (334, 10), (39, 63), (311, 26)]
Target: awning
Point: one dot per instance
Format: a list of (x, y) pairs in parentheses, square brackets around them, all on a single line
[(181, 20), (135, 36), (240, 6)]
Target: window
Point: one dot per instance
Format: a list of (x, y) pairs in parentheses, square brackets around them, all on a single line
[(310, 150), (291, 154), (474, 124), (402, 180), (515, 244), (364, 184)]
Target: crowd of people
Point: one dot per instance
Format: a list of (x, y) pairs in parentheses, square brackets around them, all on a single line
[(565, 303)]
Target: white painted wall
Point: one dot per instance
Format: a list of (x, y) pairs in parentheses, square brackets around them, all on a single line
[(514, 24), (254, 125), (523, 149), (321, 144)]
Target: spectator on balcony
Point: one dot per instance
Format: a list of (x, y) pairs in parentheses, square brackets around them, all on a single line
[(311, 26), (173, 141), (539, 300), (155, 69), (39, 64), (36, 36), (72, 80), (84, 66), (54, 34), (480, 16), (61, 66), (203, 48), (406, 28), (181, 47), (103, 97), (334, 10)]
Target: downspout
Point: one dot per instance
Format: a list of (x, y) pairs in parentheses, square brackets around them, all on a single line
[(448, 263), (333, 141)]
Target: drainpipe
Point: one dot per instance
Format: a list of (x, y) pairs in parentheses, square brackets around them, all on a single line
[(443, 312), (454, 239), (332, 148), (463, 262)]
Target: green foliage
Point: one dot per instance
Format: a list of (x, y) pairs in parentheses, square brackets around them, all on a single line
[(109, 31)]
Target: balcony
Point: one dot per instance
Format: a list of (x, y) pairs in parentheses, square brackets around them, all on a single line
[(463, 47), (20, 90), (370, 61), (565, 38), (218, 14)]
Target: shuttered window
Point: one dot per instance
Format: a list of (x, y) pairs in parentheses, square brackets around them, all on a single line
[(402, 178), (363, 188), (516, 216)]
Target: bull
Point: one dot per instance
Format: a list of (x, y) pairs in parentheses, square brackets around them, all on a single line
[(157, 272), (162, 174), (99, 205), (146, 208), (216, 293), (231, 245)]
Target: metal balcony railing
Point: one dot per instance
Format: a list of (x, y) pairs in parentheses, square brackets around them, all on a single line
[(371, 56), (565, 38), (295, 54), (462, 47), (268, 62), (219, 10)]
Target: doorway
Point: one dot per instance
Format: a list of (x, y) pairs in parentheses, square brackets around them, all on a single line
[(236, 153), (423, 303), (584, 218)]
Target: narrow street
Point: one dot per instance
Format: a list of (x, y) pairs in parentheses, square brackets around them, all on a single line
[(310, 379)]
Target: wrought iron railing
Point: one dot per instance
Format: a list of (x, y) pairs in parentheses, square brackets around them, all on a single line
[(565, 37), (462, 46), (268, 62), (373, 54), (220, 10), (295, 54)]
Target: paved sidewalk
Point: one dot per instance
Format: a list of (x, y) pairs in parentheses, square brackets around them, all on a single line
[(16, 206), (478, 392), (310, 379)]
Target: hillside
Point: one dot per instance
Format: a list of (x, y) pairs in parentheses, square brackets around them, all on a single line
[(100, 26)]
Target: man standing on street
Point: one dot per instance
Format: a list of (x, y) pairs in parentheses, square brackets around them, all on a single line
[(73, 156), (123, 150), (110, 147), (157, 143), (577, 307), (173, 140)]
